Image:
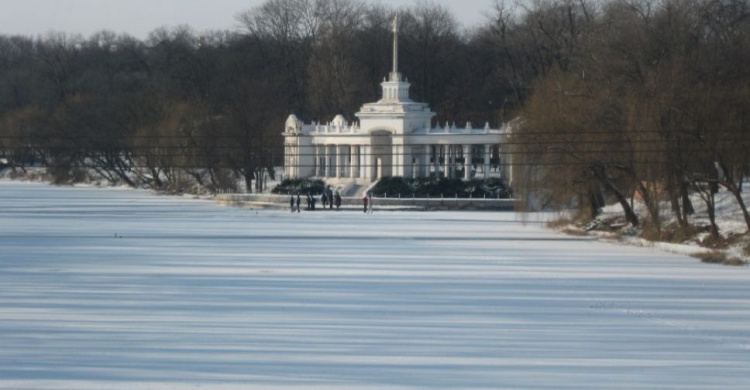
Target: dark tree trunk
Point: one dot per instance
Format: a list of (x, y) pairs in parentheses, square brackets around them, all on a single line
[(249, 176), (674, 200), (596, 202), (630, 215), (124, 177), (601, 174), (678, 210), (155, 176), (736, 190), (711, 208), (197, 176), (738, 195), (687, 205)]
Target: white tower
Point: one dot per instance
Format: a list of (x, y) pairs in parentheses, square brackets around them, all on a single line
[(395, 111)]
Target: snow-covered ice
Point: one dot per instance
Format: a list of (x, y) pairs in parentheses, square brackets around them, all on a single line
[(121, 289)]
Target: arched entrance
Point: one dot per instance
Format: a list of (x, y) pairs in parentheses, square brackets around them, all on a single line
[(382, 154)]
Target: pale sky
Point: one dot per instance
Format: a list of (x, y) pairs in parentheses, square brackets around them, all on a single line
[(139, 17)]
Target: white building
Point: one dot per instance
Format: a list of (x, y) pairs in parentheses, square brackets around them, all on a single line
[(395, 137)]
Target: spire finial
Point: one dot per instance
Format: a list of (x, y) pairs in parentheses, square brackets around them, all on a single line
[(395, 45)]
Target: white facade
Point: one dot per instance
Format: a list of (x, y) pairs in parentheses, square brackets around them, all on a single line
[(395, 137)]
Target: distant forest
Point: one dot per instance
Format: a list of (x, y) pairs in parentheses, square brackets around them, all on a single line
[(615, 98)]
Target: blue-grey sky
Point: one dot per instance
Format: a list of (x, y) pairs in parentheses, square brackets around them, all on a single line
[(139, 17)]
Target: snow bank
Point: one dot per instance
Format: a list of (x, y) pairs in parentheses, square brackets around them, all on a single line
[(729, 219)]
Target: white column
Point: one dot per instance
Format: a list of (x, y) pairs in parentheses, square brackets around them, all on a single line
[(361, 157), (348, 160), (421, 162), (427, 160), (447, 161), (339, 161), (454, 162), (316, 156), (397, 160), (454, 157), (367, 165), (486, 161), (322, 159), (333, 158), (401, 153), (509, 150), (289, 161), (413, 161), (433, 166), (419, 157), (329, 160), (316, 162), (467, 162), (359, 161), (408, 162), (353, 159)]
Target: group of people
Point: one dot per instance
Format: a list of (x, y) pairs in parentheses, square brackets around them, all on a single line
[(294, 203), (328, 199)]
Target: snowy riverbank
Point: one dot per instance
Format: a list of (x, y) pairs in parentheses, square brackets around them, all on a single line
[(734, 245)]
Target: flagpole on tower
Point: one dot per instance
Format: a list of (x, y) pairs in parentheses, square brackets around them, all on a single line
[(395, 48)]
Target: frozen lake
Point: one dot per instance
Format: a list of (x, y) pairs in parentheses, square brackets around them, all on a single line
[(121, 289)]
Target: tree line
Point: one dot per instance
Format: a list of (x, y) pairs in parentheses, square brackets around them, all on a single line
[(613, 99), (637, 99), (181, 107)]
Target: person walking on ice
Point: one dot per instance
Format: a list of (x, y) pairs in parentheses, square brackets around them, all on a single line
[(298, 202), (291, 203), (364, 203)]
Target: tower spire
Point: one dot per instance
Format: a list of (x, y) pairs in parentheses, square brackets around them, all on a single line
[(394, 73)]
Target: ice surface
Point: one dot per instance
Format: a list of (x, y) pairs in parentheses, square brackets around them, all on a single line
[(117, 289)]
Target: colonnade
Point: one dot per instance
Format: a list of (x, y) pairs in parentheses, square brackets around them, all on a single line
[(342, 161), (412, 161), (451, 156)]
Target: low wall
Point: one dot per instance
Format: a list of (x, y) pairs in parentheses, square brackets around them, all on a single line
[(268, 201)]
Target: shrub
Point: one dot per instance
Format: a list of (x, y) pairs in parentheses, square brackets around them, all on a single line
[(575, 232), (302, 186), (734, 262), (651, 232), (559, 223), (448, 188), (392, 186), (713, 257), (677, 234), (435, 188)]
